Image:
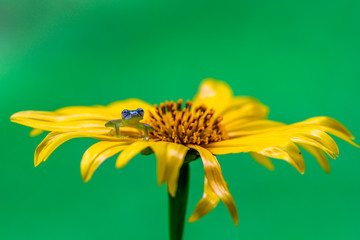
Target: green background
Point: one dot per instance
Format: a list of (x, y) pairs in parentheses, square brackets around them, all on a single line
[(301, 58)]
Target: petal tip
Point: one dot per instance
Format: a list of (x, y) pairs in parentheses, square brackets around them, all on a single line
[(12, 117), (193, 218), (36, 163), (172, 192), (85, 178), (21, 114), (236, 222), (301, 170), (119, 164), (35, 132), (84, 175)]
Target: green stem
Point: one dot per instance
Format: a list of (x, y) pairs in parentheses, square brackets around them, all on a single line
[(177, 204)]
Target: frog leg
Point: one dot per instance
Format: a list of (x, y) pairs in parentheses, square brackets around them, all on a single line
[(146, 134), (115, 124), (117, 128), (147, 128), (141, 129)]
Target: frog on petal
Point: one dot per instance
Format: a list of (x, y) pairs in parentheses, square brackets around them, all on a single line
[(131, 118)]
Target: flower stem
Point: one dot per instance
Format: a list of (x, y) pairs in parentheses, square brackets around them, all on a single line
[(177, 204)]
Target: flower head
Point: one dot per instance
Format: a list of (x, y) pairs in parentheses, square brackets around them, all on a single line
[(214, 123)]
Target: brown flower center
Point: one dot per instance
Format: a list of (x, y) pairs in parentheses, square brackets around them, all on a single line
[(173, 123)]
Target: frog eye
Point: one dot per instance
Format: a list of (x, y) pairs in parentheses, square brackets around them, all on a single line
[(140, 111), (124, 113)]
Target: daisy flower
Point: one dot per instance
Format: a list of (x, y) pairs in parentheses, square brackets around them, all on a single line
[(214, 123)]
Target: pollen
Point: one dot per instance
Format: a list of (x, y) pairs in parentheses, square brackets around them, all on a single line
[(186, 125)]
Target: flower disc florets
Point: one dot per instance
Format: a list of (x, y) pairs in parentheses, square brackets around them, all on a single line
[(173, 123)]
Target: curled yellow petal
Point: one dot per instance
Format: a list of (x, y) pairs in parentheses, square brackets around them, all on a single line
[(207, 203), (175, 158), (261, 159), (288, 152), (277, 141), (52, 141), (169, 157), (328, 122), (317, 139), (330, 126), (216, 180), (130, 152), (160, 150), (319, 156), (214, 94), (271, 146), (96, 155)]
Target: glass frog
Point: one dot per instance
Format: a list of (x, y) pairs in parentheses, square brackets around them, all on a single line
[(131, 118)]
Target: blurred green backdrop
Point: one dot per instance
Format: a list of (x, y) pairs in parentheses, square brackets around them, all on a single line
[(301, 58)]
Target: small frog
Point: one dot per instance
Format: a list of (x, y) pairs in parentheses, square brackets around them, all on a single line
[(131, 118)]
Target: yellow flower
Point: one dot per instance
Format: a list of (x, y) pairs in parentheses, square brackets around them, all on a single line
[(214, 123)]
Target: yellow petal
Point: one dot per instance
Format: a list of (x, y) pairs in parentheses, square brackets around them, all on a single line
[(160, 150), (317, 139), (170, 157), (40, 121), (35, 132), (251, 128), (81, 126), (68, 114), (175, 159), (130, 152), (329, 123), (72, 118), (288, 152), (207, 203), (261, 159), (86, 113), (277, 141), (74, 110), (109, 112), (214, 94), (216, 180), (270, 146), (242, 110), (319, 156), (96, 155), (79, 116), (299, 133), (330, 126), (52, 141)]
